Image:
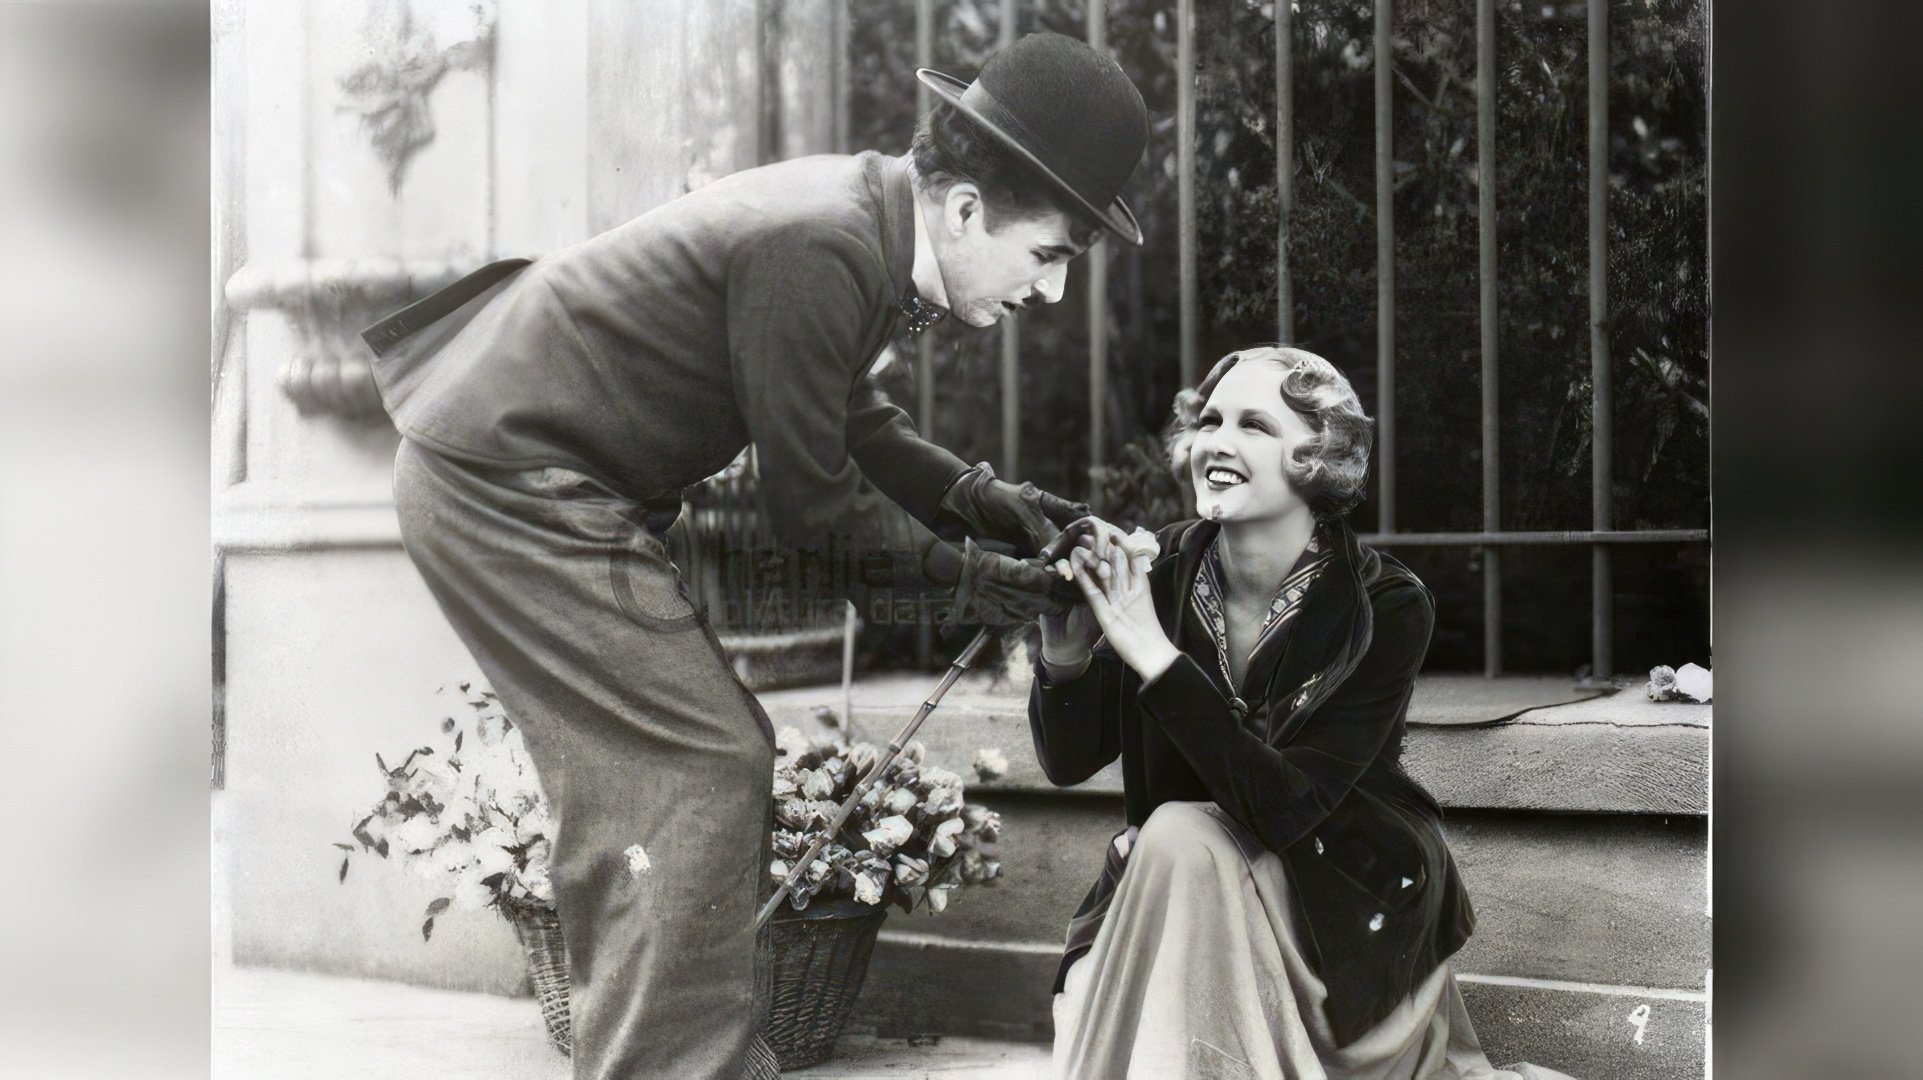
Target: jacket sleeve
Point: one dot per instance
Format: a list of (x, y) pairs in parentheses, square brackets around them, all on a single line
[(909, 469), (798, 307), (1282, 793), (1077, 722)]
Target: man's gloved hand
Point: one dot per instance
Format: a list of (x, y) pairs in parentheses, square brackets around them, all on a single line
[(995, 590), (1024, 516)]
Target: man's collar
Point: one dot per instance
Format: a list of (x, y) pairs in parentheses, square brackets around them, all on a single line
[(921, 313)]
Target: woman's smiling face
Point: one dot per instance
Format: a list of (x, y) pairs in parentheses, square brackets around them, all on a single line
[(1243, 437)]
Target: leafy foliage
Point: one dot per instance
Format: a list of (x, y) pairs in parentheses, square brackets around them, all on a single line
[(1657, 278)]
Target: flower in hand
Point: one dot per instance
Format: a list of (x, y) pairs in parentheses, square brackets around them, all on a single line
[(1113, 577)]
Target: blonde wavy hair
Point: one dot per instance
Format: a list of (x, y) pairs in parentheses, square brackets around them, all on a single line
[(1331, 469)]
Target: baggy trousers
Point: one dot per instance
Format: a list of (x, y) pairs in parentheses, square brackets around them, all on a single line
[(642, 735)]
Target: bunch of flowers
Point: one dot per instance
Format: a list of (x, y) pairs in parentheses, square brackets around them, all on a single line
[(912, 839), (473, 815)]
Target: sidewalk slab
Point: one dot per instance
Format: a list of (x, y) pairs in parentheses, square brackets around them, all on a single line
[(289, 1025)]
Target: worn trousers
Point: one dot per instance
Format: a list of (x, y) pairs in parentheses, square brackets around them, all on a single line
[(655, 759)]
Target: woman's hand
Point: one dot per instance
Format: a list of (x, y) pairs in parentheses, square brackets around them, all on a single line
[(1115, 583)]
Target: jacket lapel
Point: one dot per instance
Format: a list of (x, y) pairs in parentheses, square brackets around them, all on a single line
[(1328, 639)]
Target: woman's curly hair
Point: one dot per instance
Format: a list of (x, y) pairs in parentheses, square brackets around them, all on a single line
[(1331, 469)]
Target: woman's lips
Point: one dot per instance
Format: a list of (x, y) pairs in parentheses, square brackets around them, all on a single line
[(1219, 478)]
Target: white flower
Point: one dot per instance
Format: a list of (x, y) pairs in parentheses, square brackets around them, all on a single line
[(943, 844), (786, 781), (778, 870), (417, 834), (1662, 683), (1695, 682), (910, 870), (471, 895), (817, 783), (862, 757), (638, 861), (938, 898), (889, 833), (899, 800), (1141, 542), (490, 849), (867, 888), (990, 764), (454, 856), (534, 825), (942, 800), (537, 882), (792, 812), (914, 752), (491, 727), (791, 742)]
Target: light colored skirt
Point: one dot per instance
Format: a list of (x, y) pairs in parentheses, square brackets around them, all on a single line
[(1196, 974)]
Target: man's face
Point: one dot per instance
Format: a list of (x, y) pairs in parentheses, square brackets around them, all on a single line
[(1020, 263)]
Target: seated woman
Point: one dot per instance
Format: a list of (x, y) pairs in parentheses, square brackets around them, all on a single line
[(1283, 902)]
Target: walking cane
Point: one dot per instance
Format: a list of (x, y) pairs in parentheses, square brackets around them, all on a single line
[(955, 670)]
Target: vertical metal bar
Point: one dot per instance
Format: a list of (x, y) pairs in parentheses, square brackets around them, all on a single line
[(1185, 180), (1486, 242), (924, 342), (842, 31), (1097, 301), (1385, 261), (1011, 325), (1602, 403), (1284, 167)]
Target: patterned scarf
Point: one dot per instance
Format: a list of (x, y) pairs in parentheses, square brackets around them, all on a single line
[(1209, 599)]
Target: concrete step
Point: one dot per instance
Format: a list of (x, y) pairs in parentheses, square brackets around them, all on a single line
[(1591, 899), (1512, 743), (919, 984)]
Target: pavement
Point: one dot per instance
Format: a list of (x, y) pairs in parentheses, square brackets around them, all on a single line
[(285, 1025)]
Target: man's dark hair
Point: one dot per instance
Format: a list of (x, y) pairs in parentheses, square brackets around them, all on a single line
[(949, 148)]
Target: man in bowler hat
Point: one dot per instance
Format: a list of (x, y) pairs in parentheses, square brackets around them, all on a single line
[(553, 411)]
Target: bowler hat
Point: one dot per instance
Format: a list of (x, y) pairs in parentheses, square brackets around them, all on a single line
[(1065, 109)]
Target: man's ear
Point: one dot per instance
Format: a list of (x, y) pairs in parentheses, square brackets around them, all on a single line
[(961, 206)]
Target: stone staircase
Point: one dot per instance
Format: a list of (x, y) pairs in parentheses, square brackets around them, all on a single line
[(1579, 826)]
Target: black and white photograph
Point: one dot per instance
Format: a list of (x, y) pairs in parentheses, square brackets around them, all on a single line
[(1082, 539)]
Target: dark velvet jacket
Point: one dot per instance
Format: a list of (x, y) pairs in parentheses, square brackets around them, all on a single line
[(1312, 771)]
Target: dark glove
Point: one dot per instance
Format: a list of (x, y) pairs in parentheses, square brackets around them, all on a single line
[(995, 590), (1024, 516)]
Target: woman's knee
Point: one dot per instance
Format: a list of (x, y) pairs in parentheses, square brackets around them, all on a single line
[(1184, 836)]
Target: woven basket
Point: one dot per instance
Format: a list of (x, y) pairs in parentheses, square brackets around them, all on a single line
[(820, 961), (547, 965)]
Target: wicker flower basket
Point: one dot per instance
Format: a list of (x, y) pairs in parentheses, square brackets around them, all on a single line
[(820, 961), (547, 964)]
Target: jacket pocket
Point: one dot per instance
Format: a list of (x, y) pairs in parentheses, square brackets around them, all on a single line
[(1374, 853)]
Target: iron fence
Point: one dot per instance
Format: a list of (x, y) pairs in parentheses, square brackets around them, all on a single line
[(1491, 539)]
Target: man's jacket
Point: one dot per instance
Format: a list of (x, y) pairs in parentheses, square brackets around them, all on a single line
[(647, 357)]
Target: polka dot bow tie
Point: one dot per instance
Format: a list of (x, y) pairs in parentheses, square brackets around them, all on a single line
[(921, 314)]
